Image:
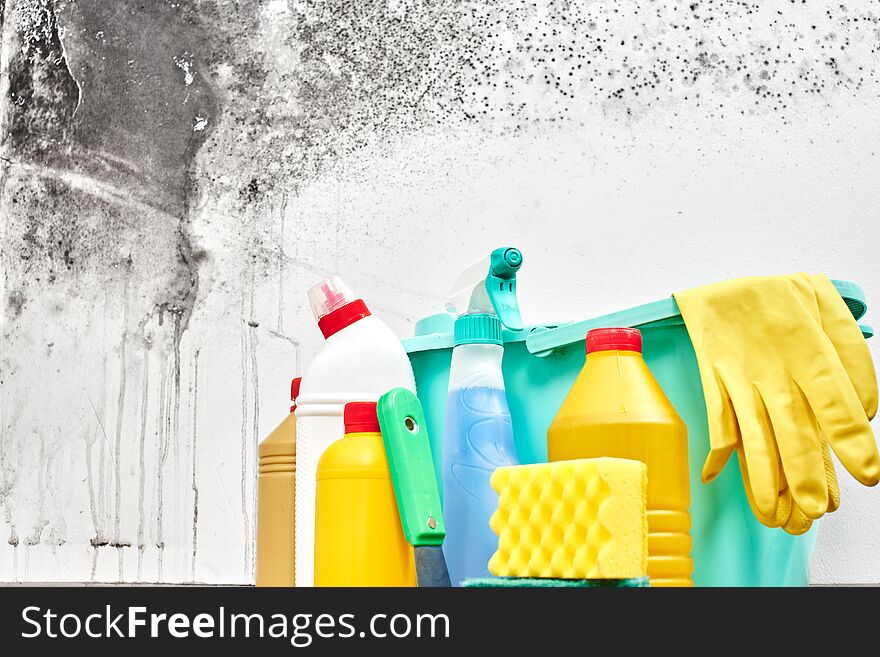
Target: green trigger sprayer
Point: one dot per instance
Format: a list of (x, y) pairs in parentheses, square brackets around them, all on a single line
[(478, 433)]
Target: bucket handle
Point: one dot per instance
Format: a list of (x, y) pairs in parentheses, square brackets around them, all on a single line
[(544, 341)]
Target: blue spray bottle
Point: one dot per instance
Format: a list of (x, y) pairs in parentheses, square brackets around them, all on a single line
[(478, 434)]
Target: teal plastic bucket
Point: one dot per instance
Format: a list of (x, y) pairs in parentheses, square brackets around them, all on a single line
[(731, 548)]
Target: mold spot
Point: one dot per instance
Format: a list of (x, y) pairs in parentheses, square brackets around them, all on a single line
[(42, 89), (15, 301)]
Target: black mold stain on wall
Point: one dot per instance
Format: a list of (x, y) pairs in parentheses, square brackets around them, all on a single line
[(357, 75), (516, 64), (99, 120), (46, 95)]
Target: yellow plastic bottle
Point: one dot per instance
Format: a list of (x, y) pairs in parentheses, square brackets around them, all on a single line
[(276, 486), (617, 408), (358, 537)]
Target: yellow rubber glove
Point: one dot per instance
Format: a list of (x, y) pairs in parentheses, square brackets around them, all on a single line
[(786, 373)]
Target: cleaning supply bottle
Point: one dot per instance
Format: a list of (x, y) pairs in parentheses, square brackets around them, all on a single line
[(478, 433), (275, 501), (478, 437), (617, 408), (359, 540), (361, 360)]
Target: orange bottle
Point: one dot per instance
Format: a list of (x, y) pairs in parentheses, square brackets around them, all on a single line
[(617, 408), (359, 540), (276, 486)]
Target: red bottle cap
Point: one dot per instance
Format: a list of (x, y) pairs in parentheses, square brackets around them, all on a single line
[(614, 339), (361, 417), (294, 392), (338, 319)]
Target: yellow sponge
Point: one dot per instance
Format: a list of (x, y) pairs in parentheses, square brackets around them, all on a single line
[(580, 519)]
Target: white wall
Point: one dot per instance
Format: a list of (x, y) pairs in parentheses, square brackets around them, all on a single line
[(622, 202)]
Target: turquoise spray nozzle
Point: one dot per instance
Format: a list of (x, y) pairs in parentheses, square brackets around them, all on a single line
[(501, 285), (488, 286), (505, 262)]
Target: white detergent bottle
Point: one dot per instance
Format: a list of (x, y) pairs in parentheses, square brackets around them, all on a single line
[(361, 360)]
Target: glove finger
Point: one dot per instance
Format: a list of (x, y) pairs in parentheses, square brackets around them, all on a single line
[(798, 522), (830, 476), (842, 419), (788, 515), (723, 430), (800, 452), (783, 505), (846, 336), (715, 462), (759, 448)]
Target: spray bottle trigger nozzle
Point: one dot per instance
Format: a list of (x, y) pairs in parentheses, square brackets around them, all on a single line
[(505, 262), (489, 286), (501, 285)]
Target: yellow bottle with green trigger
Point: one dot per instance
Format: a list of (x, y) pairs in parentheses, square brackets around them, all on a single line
[(617, 408)]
